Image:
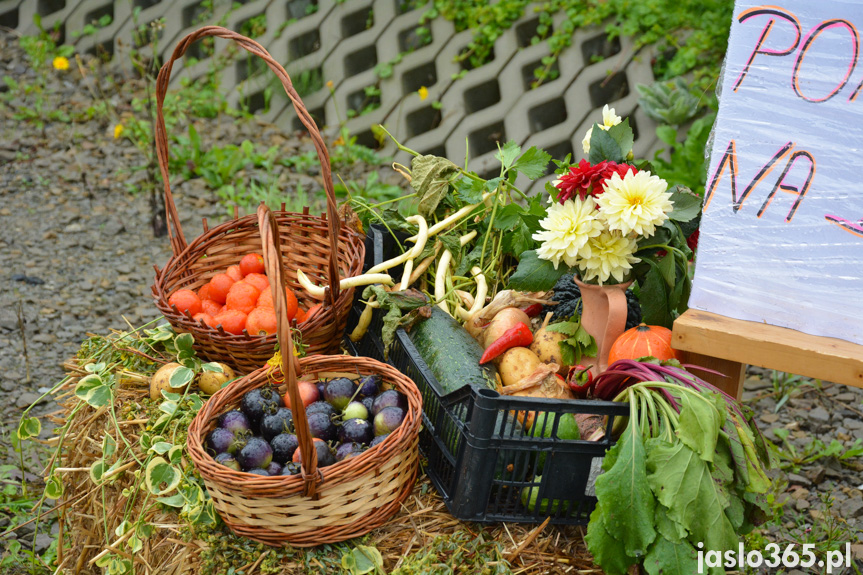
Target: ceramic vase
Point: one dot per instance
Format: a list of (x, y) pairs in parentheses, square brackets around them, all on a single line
[(604, 317)]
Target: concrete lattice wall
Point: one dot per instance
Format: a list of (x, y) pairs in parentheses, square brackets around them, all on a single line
[(343, 42)]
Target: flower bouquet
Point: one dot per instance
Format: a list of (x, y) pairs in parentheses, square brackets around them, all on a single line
[(612, 221)]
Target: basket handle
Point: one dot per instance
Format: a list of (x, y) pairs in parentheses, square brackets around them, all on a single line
[(175, 231), (290, 364)]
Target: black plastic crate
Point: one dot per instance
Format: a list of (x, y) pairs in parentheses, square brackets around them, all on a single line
[(478, 457)]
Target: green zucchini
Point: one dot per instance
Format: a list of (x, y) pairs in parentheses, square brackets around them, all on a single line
[(451, 353)]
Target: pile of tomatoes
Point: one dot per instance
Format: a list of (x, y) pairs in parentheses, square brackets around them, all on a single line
[(238, 299)]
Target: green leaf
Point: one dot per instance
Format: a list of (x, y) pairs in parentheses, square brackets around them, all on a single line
[(470, 191), (507, 154), (507, 217), (97, 470), (517, 242), (213, 366), (682, 482), (161, 447), (687, 205), (666, 268), (533, 163), (569, 328), (604, 147), (363, 559), (175, 500), (175, 455), (667, 134), (699, 425), (184, 342), (491, 185), (29, 427), (94, 391), (535, 274), (608, 552), (628, 503), (623, 135), (169, 407), (161, 477), (667, 527), (54, 487), (666, 558), (653, 299), (181, 377), (170, 396), (430, 176), (109, 446)]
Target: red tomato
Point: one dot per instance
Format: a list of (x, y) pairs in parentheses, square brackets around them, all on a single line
[(308, 393)]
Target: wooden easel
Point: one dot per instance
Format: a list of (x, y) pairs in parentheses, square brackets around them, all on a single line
[(726, 345)]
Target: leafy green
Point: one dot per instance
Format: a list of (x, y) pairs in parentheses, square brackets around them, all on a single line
[(683, 484), (579, 343), (532, 163), (469, 190), (687, 205), (430, 177), (535, 274), (676, 477), (604, 147), (508, 216), (397, 303), (507, 154), (671, 557), (624, 482), (607, 550)]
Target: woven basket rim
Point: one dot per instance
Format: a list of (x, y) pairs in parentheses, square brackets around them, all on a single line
[(350, 237), (334, 474)]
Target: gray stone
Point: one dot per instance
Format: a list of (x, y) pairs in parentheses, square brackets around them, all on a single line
[(851, 508), (852, 423), (26, 399), (802, 505), (819, 414), (73, 229), (847, 397), (794, 479), (43, 542), (815, 474)]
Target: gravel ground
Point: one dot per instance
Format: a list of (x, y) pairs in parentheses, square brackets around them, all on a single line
[(77, 255)]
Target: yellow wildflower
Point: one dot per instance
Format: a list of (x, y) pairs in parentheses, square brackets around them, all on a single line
[(118, 130), (423, 92), (61, 63)]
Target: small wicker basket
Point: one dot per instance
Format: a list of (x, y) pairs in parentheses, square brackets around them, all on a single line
[(341, 501), (325, 250)]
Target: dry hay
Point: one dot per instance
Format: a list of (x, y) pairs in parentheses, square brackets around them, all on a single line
[(90, 513)]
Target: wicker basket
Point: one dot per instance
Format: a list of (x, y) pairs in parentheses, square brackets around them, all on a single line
[(325, 250), (338, 502)]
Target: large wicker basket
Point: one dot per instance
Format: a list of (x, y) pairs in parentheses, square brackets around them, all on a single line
[(335, 503), (320, 246)]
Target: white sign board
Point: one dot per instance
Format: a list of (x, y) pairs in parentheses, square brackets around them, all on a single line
[(782, 230)]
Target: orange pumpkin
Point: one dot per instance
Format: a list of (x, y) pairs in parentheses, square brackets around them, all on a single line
[(642, 341)]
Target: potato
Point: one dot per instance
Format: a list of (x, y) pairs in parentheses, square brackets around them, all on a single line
[(515, 364), (160, 380), (209, 382), (505, 319), (546, 345)]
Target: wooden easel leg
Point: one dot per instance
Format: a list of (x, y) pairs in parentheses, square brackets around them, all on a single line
[(733, 372)]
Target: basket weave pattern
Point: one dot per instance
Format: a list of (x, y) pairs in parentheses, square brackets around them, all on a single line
[(338, 502), (323, 248)]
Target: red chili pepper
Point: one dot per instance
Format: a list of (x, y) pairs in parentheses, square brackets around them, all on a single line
[(533, 309), (580, 381), (517, 336)]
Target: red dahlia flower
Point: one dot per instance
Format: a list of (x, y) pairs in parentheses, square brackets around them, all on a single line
[(586, 179)]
